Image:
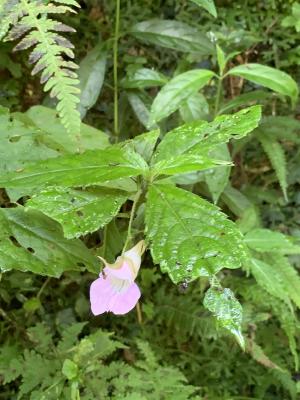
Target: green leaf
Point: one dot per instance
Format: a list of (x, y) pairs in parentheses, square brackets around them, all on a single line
[(140, 109), (228, 311), (54, 135), (209, 6), (244, 99), (217, 178), (144, 78), (176, 91), (78, 211), (265, 240), (173, 35), (91, 76), (267, 278), (276, 156), (194, 108), (272, 78), (30, 241), (70, 369), (221, 59), (186, 148), (89, 168), (144, 144), (190, 241)]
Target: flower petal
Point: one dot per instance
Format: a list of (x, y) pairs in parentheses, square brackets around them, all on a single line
[(101, 292), (123, 302), (124, 272)]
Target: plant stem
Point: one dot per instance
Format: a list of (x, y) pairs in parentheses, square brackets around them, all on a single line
[(218, 96), (139, 313), (115, 50), (133, 210)]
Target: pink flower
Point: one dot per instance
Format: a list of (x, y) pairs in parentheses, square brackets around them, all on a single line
[(115, 289)]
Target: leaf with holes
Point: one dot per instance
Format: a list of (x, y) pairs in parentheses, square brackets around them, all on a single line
[(30, 241), (177, 91), (228, 311), (190, 237), (195, 141), (172, 35), (86, 169), (78, 211)]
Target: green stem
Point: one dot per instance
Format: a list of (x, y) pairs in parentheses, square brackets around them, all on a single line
[(133, 210), (115, 50), (218, 96)]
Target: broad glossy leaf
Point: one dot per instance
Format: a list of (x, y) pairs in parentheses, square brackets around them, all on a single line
[(217, 178), (190, 237), (91, 76), (173, 35), (54, 135), (265, 240), (209, 6), (144, 78), (78, 211), (207, 134), (194, 108), (245, 99), (30, 241), (272, 78), (177, 91), (86, 169), (228, 311)]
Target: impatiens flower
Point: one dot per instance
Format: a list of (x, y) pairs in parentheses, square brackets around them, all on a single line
[(115, 289)]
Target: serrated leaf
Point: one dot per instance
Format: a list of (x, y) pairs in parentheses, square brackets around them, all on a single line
[(265, 240), (78, 211), (172, 35), (207, 134), (144, 144), (187, 148), (209, 6), (91, 76), (89, 168), (69, 369), (188, 236), (176, 91), (268, 279), (144, 78), (30, 241), (276, 156), (228, 311), (272, 78)]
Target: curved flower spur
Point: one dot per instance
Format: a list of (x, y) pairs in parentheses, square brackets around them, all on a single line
[(115, 290)]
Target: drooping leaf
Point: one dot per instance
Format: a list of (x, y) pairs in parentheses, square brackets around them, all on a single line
[(272, 78), (144, 78), (209, 6), (228, 311), (173, 35), (54, 135), (217, 178), (140, 109), (177, 91), (30, 241), (190, 241), (188, 146), (245, 99), (78, 211), (86, 169), (265, 240), (91, 76)]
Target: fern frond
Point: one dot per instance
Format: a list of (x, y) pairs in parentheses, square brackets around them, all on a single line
[(28, 20)]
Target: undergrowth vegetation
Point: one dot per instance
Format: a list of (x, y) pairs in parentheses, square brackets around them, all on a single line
[(151, 149)]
